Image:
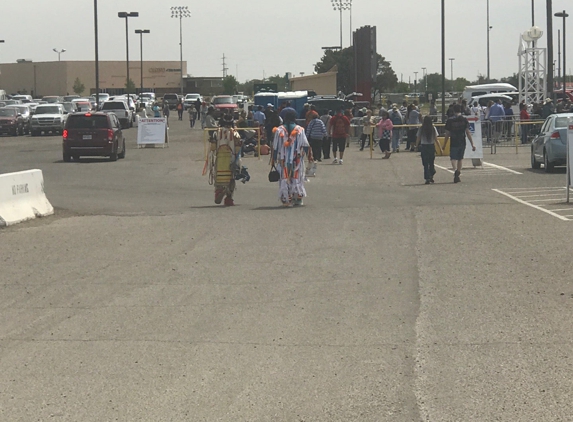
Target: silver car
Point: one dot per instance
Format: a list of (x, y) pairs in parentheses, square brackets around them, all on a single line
[(550, 146)]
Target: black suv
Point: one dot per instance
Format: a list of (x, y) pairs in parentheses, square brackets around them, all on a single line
[(93, 134)]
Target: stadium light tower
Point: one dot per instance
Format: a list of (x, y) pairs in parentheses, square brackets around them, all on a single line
[(180, 12)]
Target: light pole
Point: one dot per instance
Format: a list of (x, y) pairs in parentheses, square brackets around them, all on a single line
[(443, 17), (564, 15), (141, 32), (2, 42), (549, 16), (452, 72), (488, 29), (180, 12), (127, 15), (425, 80), (63, 50), (341, 5), (96, 55)]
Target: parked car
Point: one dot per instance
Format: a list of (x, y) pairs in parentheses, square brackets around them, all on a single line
[(24, 111), (121, 110), (70, 98), (11, 102), (82, 104), (191, 99), (52, 99), (222, 103), (549, 147), (146, 99), (48, 118), (171, 100), (11, 122), (93, 134), (68, 107)]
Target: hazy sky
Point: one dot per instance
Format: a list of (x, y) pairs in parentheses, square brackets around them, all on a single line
[(273, 37)]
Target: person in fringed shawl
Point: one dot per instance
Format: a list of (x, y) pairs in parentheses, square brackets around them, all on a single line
[(289, 149)]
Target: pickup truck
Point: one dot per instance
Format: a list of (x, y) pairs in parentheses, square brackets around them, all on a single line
[(48, 118), (171, 100), (222, 103), (121, 110)]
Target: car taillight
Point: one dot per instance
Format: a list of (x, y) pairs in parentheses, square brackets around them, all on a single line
[(555, 135), (65, 134), (110, 135)]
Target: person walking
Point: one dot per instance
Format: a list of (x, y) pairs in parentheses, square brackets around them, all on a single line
[(289, 148), (192, 116), (166, 112), (426, 140), (315, 133), (327, 140), (412, 120), (197, 105), (385, 127), (366, 130), (523, 117), (180, 109), (156, 110), (397, 120), (339, 132), (457, 128)]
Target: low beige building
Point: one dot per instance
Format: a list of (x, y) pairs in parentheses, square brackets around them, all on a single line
[(58, 78), (321, 83)]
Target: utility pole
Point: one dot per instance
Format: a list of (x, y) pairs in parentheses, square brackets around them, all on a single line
[(225, 68), (549, 11)]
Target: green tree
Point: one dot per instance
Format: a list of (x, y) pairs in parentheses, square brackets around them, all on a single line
[(344, 62), (460, 84), (403, 87), (130, 87), (386, 79), (78, 87), (230, 85), (281, 81)]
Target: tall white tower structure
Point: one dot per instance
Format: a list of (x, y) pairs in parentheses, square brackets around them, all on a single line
[(532, 67)]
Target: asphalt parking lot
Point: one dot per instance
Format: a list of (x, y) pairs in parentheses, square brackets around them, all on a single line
[(382, 299)]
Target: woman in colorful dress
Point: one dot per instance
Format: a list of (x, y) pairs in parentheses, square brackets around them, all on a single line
[(289, 148)]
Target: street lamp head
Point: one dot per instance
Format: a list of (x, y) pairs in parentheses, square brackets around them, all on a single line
[(561, 14), (180, 12), (142, 31), (122, 14), (55, 50), (63, 50), (133, 14)]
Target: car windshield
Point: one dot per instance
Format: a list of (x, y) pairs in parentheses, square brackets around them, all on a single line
[(48, 110), (223, 100), (22, 110), (68, 106), (50, 99), (561, 122), (87, 122), (191, 96), (7, 112), (113, 105), (170, 97)]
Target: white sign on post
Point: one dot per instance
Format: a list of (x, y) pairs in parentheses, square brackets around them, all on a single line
[(152, 131), (475, 129)]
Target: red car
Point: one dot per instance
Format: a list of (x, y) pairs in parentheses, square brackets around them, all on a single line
[(11, 121), (222, 103), (93, 134)]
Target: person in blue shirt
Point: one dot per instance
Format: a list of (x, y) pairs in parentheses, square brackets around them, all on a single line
[(496, 117)]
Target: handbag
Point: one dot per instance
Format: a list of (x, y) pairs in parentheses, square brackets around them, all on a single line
[(274, 175)]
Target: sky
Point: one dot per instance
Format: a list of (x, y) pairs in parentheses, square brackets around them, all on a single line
[(267, 37)]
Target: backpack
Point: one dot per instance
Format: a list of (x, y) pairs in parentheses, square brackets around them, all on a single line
[(396, 118), (339, 126)]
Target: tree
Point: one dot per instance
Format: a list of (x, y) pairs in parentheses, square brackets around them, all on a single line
[(403, 87), (344, 61), (130, 87), (230, 84), (281, 81), (386, 79), (78, 87)]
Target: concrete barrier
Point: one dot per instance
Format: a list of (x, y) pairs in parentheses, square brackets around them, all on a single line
[(22, 197)]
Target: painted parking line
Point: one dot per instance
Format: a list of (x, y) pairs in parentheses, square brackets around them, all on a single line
[(486, 170), (541, 201)]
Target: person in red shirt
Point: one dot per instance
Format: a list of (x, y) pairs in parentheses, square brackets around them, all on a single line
[(523, 116), (339, 131)]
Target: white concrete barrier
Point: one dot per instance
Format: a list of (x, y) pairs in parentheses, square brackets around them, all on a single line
[(22, 197)]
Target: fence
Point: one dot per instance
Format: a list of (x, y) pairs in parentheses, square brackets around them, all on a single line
[(505, 133)]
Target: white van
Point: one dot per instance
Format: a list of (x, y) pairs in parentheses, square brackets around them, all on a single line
[(484, 89)]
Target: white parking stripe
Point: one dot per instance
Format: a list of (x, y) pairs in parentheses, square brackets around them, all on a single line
[(531, 205), (501, 168), (444, 168), (545, 194)]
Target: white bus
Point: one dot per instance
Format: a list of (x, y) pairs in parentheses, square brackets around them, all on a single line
[(477, 90)]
